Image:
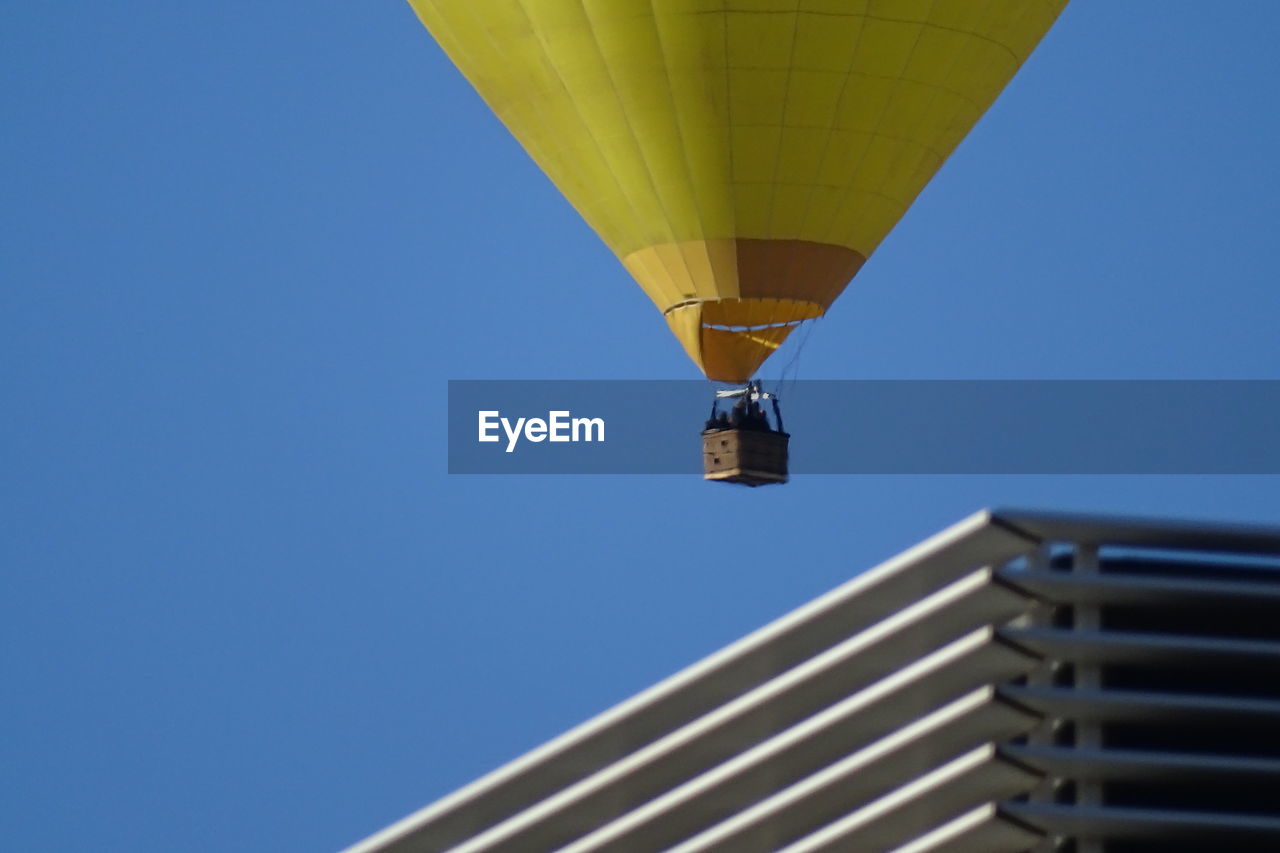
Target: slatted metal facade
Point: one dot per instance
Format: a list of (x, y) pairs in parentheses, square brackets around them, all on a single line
[(1018, 682)]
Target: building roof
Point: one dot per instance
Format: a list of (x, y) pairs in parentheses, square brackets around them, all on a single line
[(913, 707)]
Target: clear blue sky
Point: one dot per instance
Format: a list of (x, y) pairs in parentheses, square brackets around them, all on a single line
[(244, 245)]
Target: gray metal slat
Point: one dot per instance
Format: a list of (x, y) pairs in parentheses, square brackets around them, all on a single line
[(1101, 706), (1114, 647), (1133, 765), (899, 639), (983, 830), (923, 805), (1142, 532), (829, 794), (591, 751), (1120, 589), (735, 670), (715, 809), (1153, 824)]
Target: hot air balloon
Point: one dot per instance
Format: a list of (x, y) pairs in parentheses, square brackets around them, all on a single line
[(742, 158)]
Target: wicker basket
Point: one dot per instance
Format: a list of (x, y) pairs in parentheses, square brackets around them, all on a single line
[(746, 456)]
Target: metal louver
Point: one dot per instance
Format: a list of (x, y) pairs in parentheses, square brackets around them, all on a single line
[(1018, 682)]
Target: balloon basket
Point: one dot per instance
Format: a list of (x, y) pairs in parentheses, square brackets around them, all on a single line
[(748, 457)]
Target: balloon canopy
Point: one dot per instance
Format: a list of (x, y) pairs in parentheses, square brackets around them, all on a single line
[(743, 158)]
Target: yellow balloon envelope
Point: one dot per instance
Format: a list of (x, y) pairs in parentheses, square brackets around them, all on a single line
[(742, 158)]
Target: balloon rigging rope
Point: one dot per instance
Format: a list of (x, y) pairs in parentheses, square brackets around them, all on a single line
[(794, 361)]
